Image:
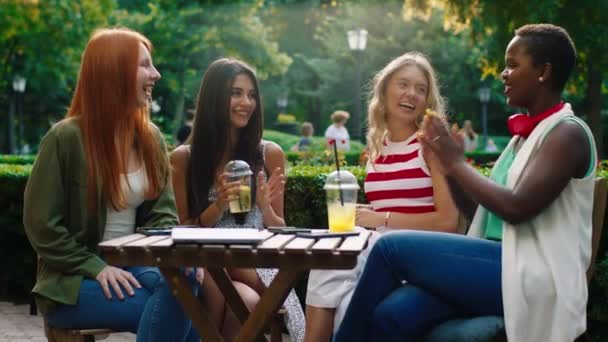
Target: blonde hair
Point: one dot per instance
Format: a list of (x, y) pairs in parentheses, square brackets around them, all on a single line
[(376, 116), (339, 116)]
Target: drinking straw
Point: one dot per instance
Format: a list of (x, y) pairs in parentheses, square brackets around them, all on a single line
[(338, 168)]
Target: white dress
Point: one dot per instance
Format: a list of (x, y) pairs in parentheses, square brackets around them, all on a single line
[(340, 134)]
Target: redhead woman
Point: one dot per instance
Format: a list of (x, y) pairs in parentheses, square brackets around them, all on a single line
[(99, 173)]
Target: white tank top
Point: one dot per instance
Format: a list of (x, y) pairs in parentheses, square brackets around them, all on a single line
[(121, 223)]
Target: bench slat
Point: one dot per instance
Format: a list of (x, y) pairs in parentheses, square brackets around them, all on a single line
[(275, 243), (118, 242), (327, 245), (354, 243), (166, 242), (145, 241), (299, 245)]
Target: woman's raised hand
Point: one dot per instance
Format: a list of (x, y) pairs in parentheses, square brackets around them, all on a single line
[(226, 190), (117, 278), (435, 138), (268, 191)]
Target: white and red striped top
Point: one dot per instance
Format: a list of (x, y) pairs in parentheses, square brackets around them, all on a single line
[(399, 180)]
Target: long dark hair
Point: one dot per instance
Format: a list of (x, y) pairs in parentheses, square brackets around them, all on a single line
[(211, 132)]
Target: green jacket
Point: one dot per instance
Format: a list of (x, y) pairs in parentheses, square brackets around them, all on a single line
[(56, 221)]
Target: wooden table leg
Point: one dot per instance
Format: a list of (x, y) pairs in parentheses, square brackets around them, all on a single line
[(271, 300), (233, 298), (200, 317)]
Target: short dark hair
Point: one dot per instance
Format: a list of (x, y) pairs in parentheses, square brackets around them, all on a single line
[(548, 43)]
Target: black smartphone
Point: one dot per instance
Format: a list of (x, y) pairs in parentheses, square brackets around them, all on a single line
[(288, 230), (148, 231), (325, 234)]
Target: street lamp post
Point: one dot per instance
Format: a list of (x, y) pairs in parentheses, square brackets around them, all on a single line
[(19, 84), (357, 41), (484, 98), (282, 102)]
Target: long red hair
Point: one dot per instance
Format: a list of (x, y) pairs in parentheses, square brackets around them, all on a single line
[(112, 120)]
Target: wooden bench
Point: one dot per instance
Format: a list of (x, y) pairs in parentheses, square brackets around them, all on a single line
[(90, 335)]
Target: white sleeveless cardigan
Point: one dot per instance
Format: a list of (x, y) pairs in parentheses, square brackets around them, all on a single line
[(544, 260)]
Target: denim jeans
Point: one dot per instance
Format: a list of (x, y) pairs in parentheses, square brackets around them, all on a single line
[(153, 312), (414, 280)]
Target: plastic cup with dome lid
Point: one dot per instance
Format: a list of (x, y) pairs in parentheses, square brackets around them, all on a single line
[(341, 189), (239, 170)]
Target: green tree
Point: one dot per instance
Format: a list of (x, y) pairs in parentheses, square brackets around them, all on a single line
[(43, 42), (333, 65), (188, 36), (494, 22)]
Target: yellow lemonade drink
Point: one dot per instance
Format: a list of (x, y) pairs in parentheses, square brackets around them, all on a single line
[(242, 203), (341, 217)]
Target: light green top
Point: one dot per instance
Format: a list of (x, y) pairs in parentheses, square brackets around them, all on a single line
[(493, 224)]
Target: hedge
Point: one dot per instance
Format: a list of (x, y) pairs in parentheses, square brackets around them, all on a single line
[(18, 159), (16, 256), (304, 207), (315, 157)]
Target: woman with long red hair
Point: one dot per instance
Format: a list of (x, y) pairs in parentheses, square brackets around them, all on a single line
[(101, 172)]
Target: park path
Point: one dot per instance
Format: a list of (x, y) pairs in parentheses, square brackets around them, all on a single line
[(17, 325)]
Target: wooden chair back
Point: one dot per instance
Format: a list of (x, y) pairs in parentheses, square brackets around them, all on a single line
[(599, 213)]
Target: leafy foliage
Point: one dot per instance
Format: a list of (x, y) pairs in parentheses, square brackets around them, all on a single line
[(492, 24), (188, 36)]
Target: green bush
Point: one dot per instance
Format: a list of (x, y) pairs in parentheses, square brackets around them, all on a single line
[(17, 264), (20, 159), (321, 157), (482, 158), (305, 198), (286, 141)]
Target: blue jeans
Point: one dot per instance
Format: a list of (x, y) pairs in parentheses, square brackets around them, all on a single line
[(153, 312), (414, 280)]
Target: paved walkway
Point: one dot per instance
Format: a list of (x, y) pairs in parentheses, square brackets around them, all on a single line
[(17, 325)]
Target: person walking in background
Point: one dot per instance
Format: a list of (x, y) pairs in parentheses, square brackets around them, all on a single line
[(491, 146), (228, 125), (305, 142), (337, 131), (404, 187), (470, 138), (99, 173), (529, 244)]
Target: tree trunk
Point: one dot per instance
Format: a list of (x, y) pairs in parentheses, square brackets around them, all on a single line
[(594, 104), (178, 116), (314, 115)]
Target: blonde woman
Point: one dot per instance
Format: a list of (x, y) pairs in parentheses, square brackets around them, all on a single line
[(402, 185)]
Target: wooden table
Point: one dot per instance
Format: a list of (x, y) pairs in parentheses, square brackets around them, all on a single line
[(292, 256)]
